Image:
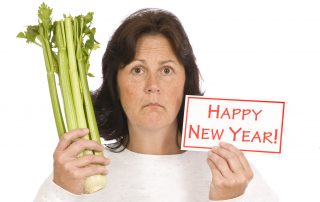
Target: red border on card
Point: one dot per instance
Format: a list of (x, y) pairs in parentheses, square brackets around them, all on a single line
[(241, 100)]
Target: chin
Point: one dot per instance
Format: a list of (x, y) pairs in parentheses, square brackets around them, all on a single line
[(154, 122)]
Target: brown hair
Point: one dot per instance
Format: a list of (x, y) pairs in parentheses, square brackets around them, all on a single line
[(111, 119)]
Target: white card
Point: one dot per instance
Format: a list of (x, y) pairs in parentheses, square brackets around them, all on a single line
[(250, 125)]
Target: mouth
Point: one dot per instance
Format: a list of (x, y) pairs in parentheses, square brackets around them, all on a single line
[(153, 105)]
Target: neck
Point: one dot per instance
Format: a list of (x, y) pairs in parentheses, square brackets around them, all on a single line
[(154, 141)]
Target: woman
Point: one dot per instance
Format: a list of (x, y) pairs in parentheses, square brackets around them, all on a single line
[(148, 68)]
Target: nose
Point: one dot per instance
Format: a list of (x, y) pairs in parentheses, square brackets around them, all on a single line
[(152, 85)]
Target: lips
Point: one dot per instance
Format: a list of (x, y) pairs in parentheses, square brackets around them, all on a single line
[(153, 104)]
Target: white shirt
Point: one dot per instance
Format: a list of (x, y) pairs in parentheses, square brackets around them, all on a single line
[(135, 177)]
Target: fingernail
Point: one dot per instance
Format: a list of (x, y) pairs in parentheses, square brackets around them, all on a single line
[(214, 148), (222, 143), (85, 130)]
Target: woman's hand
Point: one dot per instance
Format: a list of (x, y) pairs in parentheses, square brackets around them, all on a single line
[(231, 172), (70, 171)]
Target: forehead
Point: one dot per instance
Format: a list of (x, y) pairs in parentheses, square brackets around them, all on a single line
[(154, 44)]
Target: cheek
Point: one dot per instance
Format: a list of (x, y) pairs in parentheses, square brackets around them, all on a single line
[(130, 96), (175, 90), (126, 93)]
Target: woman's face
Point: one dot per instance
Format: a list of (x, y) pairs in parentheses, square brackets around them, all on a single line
[(151, 86)]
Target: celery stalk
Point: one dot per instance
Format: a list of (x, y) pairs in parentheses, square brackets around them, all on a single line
[(82, 60), (74, 75), (44, 37), (65, 85), (96, 182), (55, 104), (66, 55)]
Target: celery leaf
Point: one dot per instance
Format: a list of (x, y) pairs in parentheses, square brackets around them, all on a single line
[(90, 74), (44, 14)]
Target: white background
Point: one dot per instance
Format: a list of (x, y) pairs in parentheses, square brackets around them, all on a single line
[(266, 50)]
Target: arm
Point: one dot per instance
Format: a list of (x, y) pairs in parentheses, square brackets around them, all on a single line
[(234, 179), (71, 170), (257, 191), (51, 192)]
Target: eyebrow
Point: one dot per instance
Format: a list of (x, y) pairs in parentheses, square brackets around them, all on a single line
[(161, 63)]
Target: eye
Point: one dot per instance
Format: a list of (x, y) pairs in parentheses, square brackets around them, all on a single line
[(137, 70), (167, 70)]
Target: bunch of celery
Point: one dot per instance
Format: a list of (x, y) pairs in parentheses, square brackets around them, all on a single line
[(66, 46)]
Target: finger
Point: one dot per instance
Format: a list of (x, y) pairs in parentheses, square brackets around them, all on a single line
[(80, 145), (239, 153), (248, 170), (232, 159), (94, 170), (214, 170), (220, 164), (70, 137), (91, 159)]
